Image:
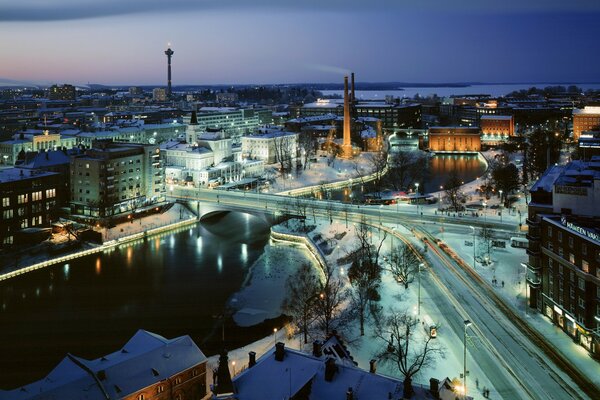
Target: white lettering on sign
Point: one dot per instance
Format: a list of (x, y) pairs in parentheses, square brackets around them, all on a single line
[(582, 231)]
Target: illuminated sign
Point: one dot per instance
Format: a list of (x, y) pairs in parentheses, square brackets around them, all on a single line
[(558, 310), (582, 231)]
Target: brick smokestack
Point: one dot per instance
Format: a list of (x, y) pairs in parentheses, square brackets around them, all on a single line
[(352, 97), (347, 144)]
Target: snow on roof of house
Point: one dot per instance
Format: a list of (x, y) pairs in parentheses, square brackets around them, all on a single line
[(217, 109), (44, 159), (546, 181), (325, 103), (144, 360), (183, 146), (368, 134), (18, 174), (272, 379), (313, 118)]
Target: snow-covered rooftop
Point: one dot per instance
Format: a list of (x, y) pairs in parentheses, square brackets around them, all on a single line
[(18, 174), (497, 117), (591, 110), (144, 360)]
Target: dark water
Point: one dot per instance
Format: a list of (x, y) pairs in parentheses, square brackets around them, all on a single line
[(172, 285), (467, 167)]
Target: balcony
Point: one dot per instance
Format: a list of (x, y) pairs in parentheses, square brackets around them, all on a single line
[(531, 222), (533, 279)]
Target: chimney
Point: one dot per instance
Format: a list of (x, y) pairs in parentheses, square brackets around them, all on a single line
[(330, 369), (279, 351), (347, 144), (317, 348), (349, 394), (434, 387), (373, 366), (352, 98), (251, 359)]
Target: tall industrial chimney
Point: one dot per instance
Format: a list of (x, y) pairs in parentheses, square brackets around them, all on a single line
[(169, 53), (352, 98), (347, 144)]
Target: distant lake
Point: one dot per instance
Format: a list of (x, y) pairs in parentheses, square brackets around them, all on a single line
[(493, 90)]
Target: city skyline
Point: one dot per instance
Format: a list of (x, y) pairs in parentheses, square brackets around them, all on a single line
[(231, 42)]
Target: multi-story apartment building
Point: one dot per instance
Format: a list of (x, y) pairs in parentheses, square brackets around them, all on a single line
[(159, 94), (586, 119), (28, 198), (148, 367), (64, 92), (563, 270), (113, 178), (496, 129)]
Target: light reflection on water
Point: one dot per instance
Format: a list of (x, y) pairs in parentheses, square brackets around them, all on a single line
[(97, 305)]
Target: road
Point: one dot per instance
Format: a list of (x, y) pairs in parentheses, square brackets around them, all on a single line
[(518, 365)]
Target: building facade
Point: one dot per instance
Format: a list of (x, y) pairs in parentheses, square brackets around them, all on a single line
[(29, 198), (114, 178), (563, 268), (496, 129), (270, 145), (454, 139), (64, 92), (586, 119)]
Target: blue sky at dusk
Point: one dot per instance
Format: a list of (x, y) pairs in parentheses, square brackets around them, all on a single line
[(268, 41)]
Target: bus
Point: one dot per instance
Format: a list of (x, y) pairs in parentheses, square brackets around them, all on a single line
[(520, 242)]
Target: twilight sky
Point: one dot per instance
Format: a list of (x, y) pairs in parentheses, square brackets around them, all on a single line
[(281, 41)]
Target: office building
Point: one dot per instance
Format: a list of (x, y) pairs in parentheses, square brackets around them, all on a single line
[(62, 92), (268, 144), (159, 94), (453, 139), (496, 129)]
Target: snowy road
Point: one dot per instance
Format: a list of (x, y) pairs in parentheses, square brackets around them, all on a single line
[(511, 350)]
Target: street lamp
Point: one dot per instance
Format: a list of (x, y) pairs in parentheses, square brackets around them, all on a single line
[(474, 261), (467, 324), (419, 295)]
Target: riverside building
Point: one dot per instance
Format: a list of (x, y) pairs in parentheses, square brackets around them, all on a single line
[(585, 119), (563, 270), (114, 178)]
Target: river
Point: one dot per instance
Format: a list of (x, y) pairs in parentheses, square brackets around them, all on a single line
[(173, 284)]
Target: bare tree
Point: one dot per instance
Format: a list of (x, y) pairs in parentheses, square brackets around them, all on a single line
[(365, 273), (406, 168), (403, 263), (405, 348), (300, 210), (378, 162), (302, 292), (284, 147), (454, 196), (329, 308), (308, 148)]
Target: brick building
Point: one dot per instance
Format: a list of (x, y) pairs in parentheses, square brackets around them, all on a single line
[(586, 119), (496, 129), (454, 139), (563, 270), (148, 367), (28, 199)]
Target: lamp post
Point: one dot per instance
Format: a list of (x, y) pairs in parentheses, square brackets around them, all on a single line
[(484, 213), (274, 336), (467, 324), (419, 295), (501, 204), (397, 211), (525, 282), (474, 261)]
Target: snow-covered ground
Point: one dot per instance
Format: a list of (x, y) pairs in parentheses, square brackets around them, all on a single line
[(336, 241), (320, 172)]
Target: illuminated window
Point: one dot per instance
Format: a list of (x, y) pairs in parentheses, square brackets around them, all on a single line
[(5, 201)]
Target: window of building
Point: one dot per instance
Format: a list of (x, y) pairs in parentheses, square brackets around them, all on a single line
[(585, 266), (584, 249), (549, 231), (22, 198), (160, 388), (598, 292), (571, 241), (5, 201), (559, 236), (141, 397), (50, 193), (572, 293), (581, 283), (550, 279), (572, 276), (24, 223), (36, 196), (178, 380), (560, 269), (560, 251), (572, 258), (581, 302)]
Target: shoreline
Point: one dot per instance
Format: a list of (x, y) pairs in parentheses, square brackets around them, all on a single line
[(111, 244)]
